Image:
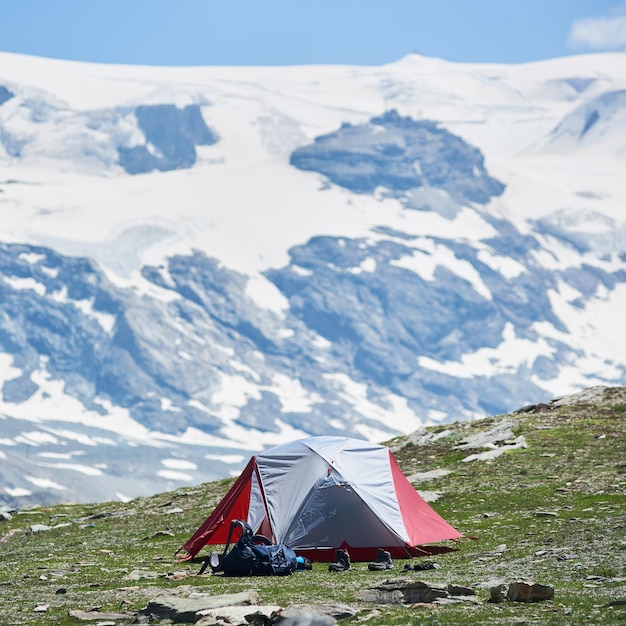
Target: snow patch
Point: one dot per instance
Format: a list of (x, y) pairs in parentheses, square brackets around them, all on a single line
[(226, 458), (294, 398), (44, 483), (398, 415), (74, 467), (179, 464), (511, 354), (36, 438), (266, 295), (25, 283), (172, 475), (18, 492)]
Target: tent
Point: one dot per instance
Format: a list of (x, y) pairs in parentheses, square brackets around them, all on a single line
[(323, 493)]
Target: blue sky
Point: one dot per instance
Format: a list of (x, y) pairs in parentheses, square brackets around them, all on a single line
[(292, 32)]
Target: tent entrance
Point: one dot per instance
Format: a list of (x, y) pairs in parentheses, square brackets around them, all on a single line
[(333, 514)]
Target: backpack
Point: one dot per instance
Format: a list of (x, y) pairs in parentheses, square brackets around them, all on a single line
[(252, 555)]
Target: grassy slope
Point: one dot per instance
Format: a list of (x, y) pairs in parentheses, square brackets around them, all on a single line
[(574, 466)]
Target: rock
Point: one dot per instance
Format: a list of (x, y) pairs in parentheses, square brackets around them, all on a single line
[(422, 477), (231, 615), (430, 496), (489, 439), (5, 516), (528, 592), (497, 593), (159, 533), (308, 619), (336, 611), (39, 528), (402, 591), (138, 574), (592, 395), (420, 437), (499, 439), (457, 600), (545, 514), (92, 616), (458, 590), (519, 443), (381, 596), (180, 609)]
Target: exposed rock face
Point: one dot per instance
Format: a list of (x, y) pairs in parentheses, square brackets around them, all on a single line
[(376, 332), (161, 360), (403, 156), (171, 136), (5, 94)]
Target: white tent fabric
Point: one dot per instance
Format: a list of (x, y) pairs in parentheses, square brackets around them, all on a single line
[(322, 493)]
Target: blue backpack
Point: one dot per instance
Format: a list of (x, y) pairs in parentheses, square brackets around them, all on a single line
[(252, 555)]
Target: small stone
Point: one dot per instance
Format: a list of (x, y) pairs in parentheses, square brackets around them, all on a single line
[(138, 574), (497, 594), (159, 533), (38, 528)]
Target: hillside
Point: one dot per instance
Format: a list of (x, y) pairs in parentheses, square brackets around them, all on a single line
[(545, 501)]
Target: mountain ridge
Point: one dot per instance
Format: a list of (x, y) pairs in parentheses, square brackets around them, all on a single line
[(208, 261)]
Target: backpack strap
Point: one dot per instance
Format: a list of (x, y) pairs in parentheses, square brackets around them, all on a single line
[(245, 530)]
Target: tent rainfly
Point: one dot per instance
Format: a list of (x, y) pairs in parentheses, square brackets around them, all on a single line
[(323, 493)]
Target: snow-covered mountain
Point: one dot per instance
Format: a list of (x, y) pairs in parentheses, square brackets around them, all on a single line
[(197, 263)]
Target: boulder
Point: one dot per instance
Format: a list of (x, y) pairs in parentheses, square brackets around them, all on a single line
[(529, 592), (335, 611), (179, 609), (402, 591), (259, 615)]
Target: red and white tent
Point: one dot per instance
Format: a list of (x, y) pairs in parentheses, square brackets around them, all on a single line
[(323, 493)]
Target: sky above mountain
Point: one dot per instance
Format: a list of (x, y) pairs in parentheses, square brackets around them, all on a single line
[(284, 32)]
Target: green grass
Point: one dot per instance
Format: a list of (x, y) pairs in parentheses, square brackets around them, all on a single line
[(574, 467)]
